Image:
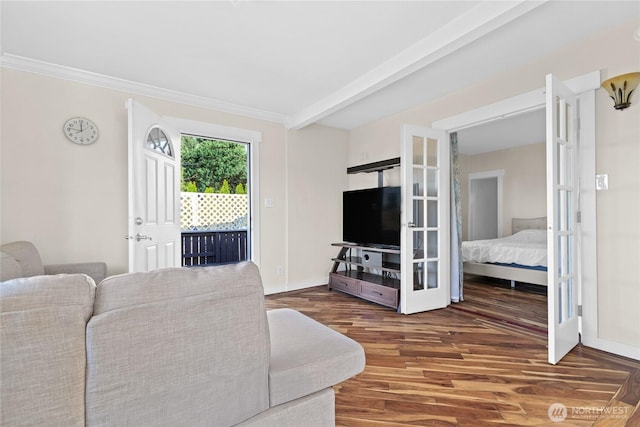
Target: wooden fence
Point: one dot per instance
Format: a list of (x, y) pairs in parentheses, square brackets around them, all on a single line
[(213, 247)]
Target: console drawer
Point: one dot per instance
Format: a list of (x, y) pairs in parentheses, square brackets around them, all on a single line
[(344, 284), (383, 295)]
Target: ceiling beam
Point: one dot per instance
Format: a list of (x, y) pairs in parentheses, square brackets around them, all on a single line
[(468, 27)]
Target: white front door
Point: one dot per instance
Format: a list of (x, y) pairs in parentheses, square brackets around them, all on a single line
[(562, 207), (154, 191), (425, 220)]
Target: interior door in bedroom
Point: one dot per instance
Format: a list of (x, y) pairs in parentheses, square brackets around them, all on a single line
[(562, 206), (485, 205), (154, 191), (425, 220)]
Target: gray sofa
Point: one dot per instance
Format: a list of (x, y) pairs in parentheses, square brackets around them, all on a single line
[(172, 347), (22, 259)]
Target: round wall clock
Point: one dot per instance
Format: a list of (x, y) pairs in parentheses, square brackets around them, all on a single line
[(80, 130)]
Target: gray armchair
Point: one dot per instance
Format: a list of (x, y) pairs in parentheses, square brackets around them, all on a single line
[(22, 259)]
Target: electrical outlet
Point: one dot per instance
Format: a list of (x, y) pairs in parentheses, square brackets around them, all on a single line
[(280, 270), (268, 202)]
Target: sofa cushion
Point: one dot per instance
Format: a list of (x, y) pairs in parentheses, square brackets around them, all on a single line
[(27, 256), (178, 347), (42, 356), (315, 410), (307, 356)]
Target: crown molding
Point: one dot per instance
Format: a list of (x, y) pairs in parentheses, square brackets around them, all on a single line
[(87, 77)]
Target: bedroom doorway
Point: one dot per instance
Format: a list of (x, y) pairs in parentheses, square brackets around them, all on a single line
[(585, 275)]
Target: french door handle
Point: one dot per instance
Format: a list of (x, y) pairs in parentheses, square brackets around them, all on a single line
[(411, 224)]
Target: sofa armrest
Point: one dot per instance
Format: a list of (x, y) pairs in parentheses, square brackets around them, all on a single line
[(307, 356), (9, 267), (96, 270)]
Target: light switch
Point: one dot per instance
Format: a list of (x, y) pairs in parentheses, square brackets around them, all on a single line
[(602, 182), (268, 202)]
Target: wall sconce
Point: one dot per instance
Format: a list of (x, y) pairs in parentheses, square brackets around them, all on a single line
[(620, 89)]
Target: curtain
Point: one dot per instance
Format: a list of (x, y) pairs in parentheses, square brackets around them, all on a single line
[(456, 225)]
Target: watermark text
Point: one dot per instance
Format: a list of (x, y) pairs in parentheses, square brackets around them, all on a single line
[(558, 412)]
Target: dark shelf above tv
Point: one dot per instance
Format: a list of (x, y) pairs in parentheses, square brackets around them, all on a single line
[(375, 166)]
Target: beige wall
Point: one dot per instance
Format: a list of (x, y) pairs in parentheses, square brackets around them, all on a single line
[(524, 182), (617, 151), (71, 200), (316, 177)]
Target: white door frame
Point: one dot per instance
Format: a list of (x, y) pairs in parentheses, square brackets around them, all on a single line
[(499, 175), (253, 140), (585, 86)]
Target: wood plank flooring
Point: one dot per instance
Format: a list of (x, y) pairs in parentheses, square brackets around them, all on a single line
[(482, 362)]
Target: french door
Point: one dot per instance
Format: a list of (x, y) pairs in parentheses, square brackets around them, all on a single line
[(425, 220), (562, 207), (154, 191)]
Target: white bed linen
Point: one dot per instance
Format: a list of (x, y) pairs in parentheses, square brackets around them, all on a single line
[(526, 247)]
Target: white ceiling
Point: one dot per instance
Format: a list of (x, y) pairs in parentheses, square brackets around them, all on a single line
[(337, 63), (515, 131)]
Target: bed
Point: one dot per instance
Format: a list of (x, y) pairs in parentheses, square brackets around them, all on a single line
[(521, 257)]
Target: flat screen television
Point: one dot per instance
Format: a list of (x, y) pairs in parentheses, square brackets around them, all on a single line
[(372, 216)]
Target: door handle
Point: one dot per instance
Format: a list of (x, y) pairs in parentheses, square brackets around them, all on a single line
[(138, 237), (411, 225)]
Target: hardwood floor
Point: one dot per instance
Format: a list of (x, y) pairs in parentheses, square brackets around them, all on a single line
[(482, 362)]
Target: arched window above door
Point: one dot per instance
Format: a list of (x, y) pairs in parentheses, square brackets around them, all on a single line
[(158, 141)]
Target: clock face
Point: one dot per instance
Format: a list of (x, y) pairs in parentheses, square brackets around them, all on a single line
[(81, 130)]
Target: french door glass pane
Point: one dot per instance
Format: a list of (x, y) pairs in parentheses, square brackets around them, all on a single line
[(569, 255), (565, 210), (418, 212), (432, 152), (418, 276), (567, 123), (432, 244), (432, 183), (570, 298), (418, 150), (560, 256), (564, 256), (418, 244), (564, 161), (558, 117), (432, 274), (418, 182), (561, 302), (432, 213)]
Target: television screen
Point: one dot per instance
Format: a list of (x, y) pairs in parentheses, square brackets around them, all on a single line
[(372, 216)]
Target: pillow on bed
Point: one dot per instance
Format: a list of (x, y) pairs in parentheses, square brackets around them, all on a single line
[(531, 235)]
